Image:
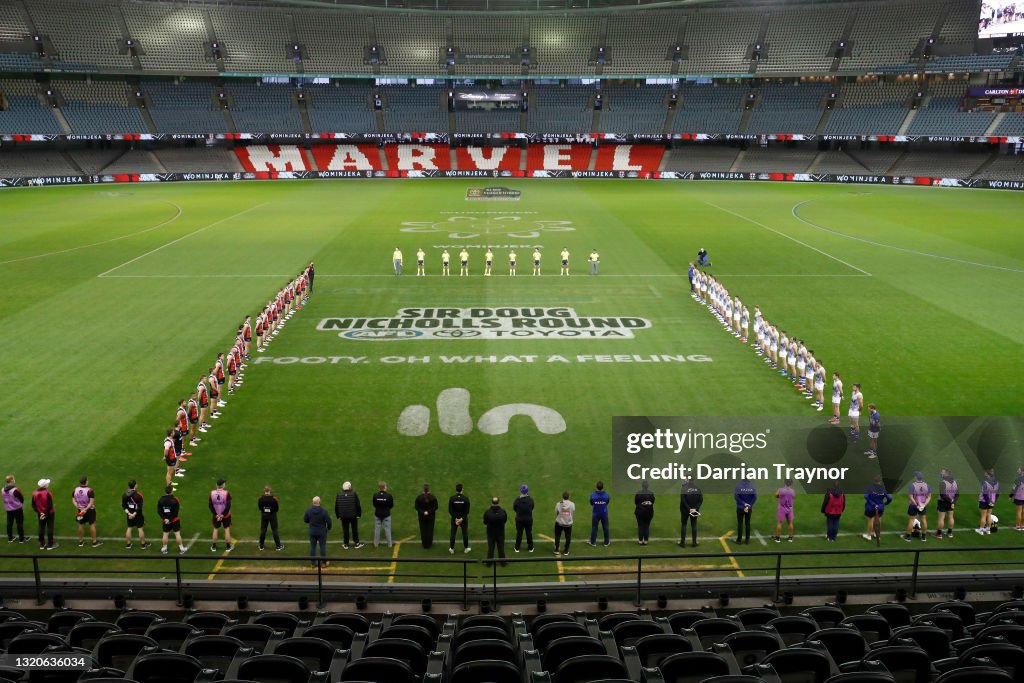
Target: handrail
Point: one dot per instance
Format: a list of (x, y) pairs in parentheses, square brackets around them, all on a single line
[(777, 564)]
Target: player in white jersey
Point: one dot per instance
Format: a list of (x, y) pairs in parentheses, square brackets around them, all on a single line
[(446, 261), (488, 262), (856, 402), (464, 263), (420, 261), (745, 325), (703, 288), (536, 262), (819, 386), (837, 397), (773, 346), (565, 261), (726, 318), (801, 363), (737, 315), (808, 380), (791, 359), (782, 352)]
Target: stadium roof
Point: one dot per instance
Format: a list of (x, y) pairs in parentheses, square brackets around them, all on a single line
[(491, 6)]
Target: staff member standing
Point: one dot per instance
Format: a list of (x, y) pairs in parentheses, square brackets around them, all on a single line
[(396, 260), (268, 506), (495, 519), (84, 500), (745, 495), (131, 503), (644, 512), (319, 524), (458, 510), (523, 507), (426, 513), (595, 261), (42, 503), (382, 504), (564, 511), (690, 500), (348, 509), (14, 506), (169, 508), (599, 500), (832, 506)]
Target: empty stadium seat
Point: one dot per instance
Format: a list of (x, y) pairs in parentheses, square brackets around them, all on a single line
[(256, 636), (1004, 655), (949, 622), (119, 650), (931, 639), (484, 620), (976, 674), (338, 635), (563, 649), (89, 632), (165, 667), (172, 634), (793, 628), (418, 634), (626, 633), (10, 629), (543, 619), (33, 643), (465, 635), (862, 677), (61, 622), (873, 627), (422, 620), (357, 622), (756, 616), (713, 630), (279, 621), (216, 651), (653, 648), (274, 668), (488, 649), (314, 653), (402, 649), (750, 647), (801, 663), (907, 663), (210, 623), (492, 671), (559, 629), (844, 644), (589, 668), (380, 669), (693, 667)]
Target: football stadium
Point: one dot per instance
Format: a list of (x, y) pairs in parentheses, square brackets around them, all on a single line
[(486, 341)]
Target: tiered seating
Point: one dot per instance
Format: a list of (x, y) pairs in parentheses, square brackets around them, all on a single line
[(788, 109), (776, 158), (801, 40), (92, 161), (942, 115), (660, 33), (25, 114), (340, 108), (877, 161), (870, 108), (566, 109), (838, 161), (99, 108), (19, 61), (34, 163), (489, 35), (701, 158), (325, 52), (254, 39), (264, 108), (563, 44), (961, 25), (411, 50), (135, 161), (173, 38), (497, 121), (198, 159), (1012, 124), (629, 109), (416, 109), (887, 32), (709, 109), (1005, 168), (13, 23), (184, 107), (85, 35), (969, 63), (948, 642), (940, 164), (719, 41)]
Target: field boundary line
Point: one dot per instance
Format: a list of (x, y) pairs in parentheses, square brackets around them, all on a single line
[(393, 567), (883, 245), (190, 234), (558, 562), (789, 237), (725, 547), (184, 276), (96, 244)]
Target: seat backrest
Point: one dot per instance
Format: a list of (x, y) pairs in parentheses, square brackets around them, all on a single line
[(274, 667), (134, 621), (562, 649), (873, 627), (626, 633), (964, 610), (755, 616), (484, 620), (896, 614), (417, 634), (813, 665), (378, 669), (862, 677), (165, 667), (826, 616), (949, 622), (693, 666), (487, 649), (590, 668), (215, 652), (120, 649), (33, 643), (488, 670), (608, 621), (9, 629), (357, 622), (903, 659), (338, 635), (210, 623), (794, 628), (713, 630), (654, 648), (559, 629), (1012, 633), (255, 636), (279, 621), (543, 619), (687, 619), (1005, 655), (403, 649), (62, 621), (422, 620), (315, 653), (977, 674), (750, 647), (931, 639), (87, 633), (844, 644)]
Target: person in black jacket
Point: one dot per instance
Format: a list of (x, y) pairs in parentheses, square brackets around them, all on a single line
[(690, 500), (495, 519), (382, 504), (131, 503), (523, 507), (458, 510), (426, 513), (268, 505), (348, 509), (644, 503), (169, 509)]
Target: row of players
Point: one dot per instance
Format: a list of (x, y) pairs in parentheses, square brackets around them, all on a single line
[(421, 270), (190, 419), (348, 509), (787, 354)]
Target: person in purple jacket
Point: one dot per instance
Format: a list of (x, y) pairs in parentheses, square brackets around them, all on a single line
[(784, 513), (987, 500), (949, 492), (1018, 500), (14, 506), (920, 494), (745, 495)]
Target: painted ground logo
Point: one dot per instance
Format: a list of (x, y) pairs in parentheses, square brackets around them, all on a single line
[(381, 335), (522, 225), (484, 323)]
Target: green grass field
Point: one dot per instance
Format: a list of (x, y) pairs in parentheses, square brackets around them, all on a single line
[(120, 296)]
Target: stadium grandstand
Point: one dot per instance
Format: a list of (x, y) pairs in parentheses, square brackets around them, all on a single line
[(850, 93)]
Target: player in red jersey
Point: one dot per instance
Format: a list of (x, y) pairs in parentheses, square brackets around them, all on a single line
[(170, 458), (260, 327), (247, 335), (203, 394), (218, 372), (215, 401), (232, 365), (192, 408), (181, 422)]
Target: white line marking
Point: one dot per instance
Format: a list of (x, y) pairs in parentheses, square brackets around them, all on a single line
[(174, 241), (782, 234), (392, 276), (492, 213), (891, 246), (760, 538), (96, 244)]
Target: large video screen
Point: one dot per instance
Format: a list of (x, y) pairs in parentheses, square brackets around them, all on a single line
[(1001, 18)]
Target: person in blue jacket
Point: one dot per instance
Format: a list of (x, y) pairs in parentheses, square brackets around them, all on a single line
[(875, 500), (745, 495), (599, 505)]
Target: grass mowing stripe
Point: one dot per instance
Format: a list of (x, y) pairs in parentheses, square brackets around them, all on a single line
[(190, 234), (96, 244), (789, 237), (796, 214)]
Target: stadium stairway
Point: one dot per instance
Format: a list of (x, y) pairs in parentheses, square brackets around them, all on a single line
[(907, 120), (994, 126)]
